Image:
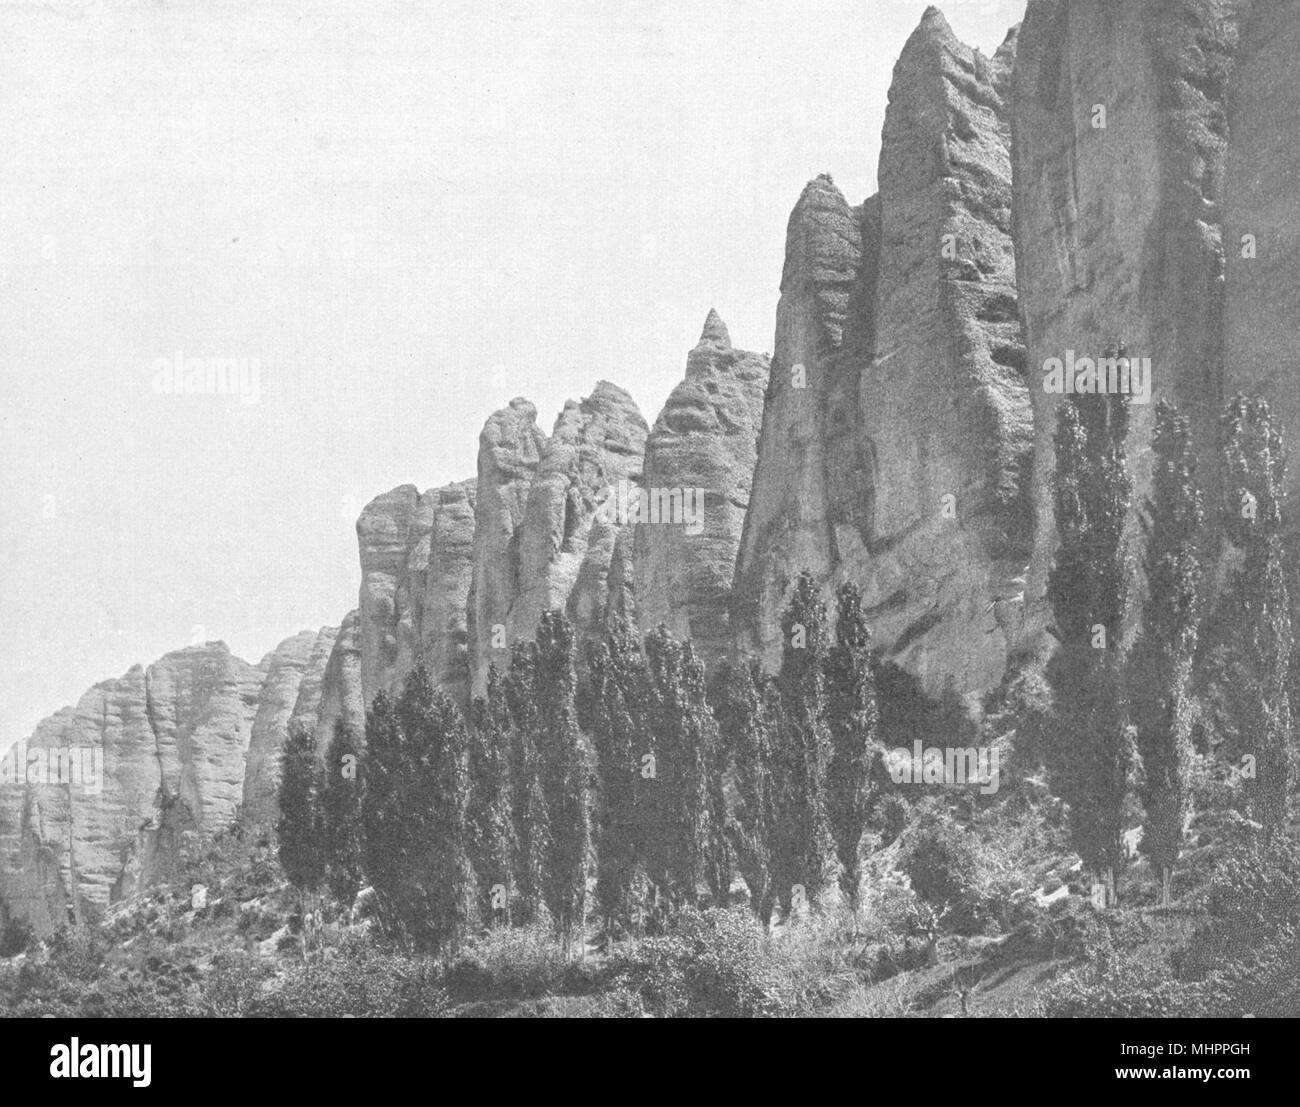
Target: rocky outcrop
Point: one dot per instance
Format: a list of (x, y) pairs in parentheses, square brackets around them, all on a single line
[(416, 565), (311, 688), (341, 696), (509, 451), (118, 788), (393, 540), (295, 662), (943, 402), (1119, 123), (703, 450), (901, 461), (448, 578), (547, 518), (1262, 226), (1072, 193), (787, 527)]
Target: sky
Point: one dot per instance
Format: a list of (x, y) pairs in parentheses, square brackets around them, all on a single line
[(394, 217)]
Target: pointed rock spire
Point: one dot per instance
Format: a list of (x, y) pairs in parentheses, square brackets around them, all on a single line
[(715, 331)]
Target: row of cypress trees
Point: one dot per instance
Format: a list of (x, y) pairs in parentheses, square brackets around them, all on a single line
[(1121, 692), (460, 824)]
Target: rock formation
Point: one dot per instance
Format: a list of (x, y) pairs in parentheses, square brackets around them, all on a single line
[(415, 578), (897, 428), (1073, 192), (705, 438), (509, 450), (340, 697), (786, 527), (546, 523), (1119, 122), (118, 787), (295, 666), (1262, 226)]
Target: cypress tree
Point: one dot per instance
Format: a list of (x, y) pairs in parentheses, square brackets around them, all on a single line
[(415, 812), (386, 845), (492, 831), (1256, 469), (341, 803), (853, 720), (1161, 665), (683, 738), (618, 696), (564, 777), (711, 762), (301, 844), (1088, 588), (804, 854), (744, 729), (532, 831), (438, 744)]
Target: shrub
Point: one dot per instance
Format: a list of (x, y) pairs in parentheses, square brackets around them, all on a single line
[(519, 963), (940, 862), (16, 937), (713, 963)]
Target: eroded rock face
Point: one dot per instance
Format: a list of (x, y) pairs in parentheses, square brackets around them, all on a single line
[(416, 565), (901, 465), (943, 402), (444, 625), (311, 688), (509, 451), (1117, 227), (160, 756), (706, 439), (1262, 193), (547, 527), (786, 528), (294, 662), (341, 696), (393, 540)]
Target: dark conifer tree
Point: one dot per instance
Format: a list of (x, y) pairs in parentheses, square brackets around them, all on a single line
[(300, 829), (415, 811), (491, 823), (853, 720), (1253, 518), (618, 698), (804, 853), (531, 818), (744, 729), (1094, 758), (565, 774), (387, 839), (341, 803), (1161, 665), (682, 757)]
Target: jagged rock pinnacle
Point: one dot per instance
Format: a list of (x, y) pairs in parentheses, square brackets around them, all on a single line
[(715, 331)]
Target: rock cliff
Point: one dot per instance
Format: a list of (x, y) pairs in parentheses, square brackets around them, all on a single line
[(897, 429), (702, 450)]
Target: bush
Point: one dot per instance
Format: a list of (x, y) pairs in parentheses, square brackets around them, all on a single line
[(891, 816), (509, 963), (941, 863), (17, 936), (713, 963), (361, 978), (1244, 961)]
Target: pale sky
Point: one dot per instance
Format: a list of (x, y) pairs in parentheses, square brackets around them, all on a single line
[(405, 214)]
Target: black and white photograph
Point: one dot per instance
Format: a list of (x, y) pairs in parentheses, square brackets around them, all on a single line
[(686, 509)]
